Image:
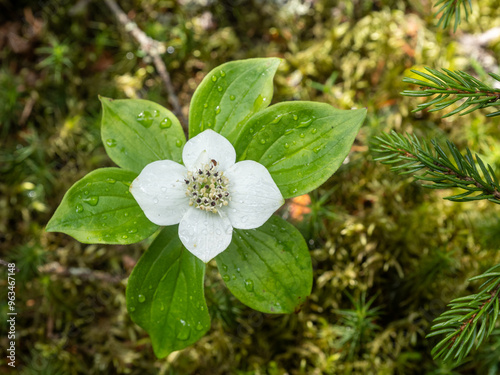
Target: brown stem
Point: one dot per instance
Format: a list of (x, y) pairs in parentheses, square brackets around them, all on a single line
[(153, 49)]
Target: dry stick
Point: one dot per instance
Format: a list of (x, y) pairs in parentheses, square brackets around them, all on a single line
[(153, 49)]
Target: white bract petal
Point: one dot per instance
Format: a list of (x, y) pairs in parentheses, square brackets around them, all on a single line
[(205, 234), (160, 191), (209, 196), (254, 195), (210, 146)]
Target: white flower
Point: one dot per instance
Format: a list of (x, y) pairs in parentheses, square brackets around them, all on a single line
[(208, 196)]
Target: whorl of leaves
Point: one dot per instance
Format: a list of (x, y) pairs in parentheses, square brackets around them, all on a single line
[(408, 154), (451, 11), (457, 84), (470, 319)]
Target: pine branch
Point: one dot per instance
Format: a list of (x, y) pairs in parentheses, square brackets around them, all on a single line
[(410, 155), (451, 11), (470, 319), (459, 85)]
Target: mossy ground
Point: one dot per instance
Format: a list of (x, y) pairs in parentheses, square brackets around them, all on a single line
[(388, 255)]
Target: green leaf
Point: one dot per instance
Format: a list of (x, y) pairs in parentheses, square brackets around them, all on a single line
[(230, 94), (138, 132), (301, 143), (100, 209), (269, 268), (165, 294)]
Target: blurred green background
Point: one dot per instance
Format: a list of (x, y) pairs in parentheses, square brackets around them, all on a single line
[(388, 255)]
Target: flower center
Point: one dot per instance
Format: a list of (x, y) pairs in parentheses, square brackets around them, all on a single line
[(207, 188)]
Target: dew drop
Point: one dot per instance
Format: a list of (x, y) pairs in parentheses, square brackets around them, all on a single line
[(225, 277), (262, 141), (251, 130), (222, 73), (155, 201), (125, 214), (141, 298), (214, 78), (224, 267), (287, 145), (249, 285), (217, 110), (232, 97), (131, 231), (132, 309), (302, 135), (288, 131), (156, 113), (209, 124), (145, 118), (314, 131), (219, 88), (111, 142), (304, 123), (163, 189), (205, 105), (79, 208), (199, 326), (124, 236), (276, 119), (184, 330), (92, 200), (165, 123), (317, 149), (178, 143), (295, 117)]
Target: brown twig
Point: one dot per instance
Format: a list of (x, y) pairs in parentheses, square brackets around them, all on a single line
[(55, 268), (153, 49)]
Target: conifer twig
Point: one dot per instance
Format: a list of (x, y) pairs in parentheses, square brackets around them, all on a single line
[(153, 49), (470, 319), (460, 85), (410, 155)]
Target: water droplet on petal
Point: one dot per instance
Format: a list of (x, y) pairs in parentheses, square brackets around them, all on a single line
[(249, 285), (92, 200), (145, 118), (141, 298), (165, 123), (111, 142), (79, 208), (155, 201)]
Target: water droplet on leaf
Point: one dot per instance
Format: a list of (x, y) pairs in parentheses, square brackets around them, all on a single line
[(165, 123), (145, 119), (222, 73), (111, 142), (141, 298), (249, 285), (178, 143), (232, 97), (217, 110), (214, 78), (184, 330), (92, 200), (79, 208)]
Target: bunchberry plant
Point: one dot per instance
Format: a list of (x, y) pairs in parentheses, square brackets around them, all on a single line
[(213, 196)]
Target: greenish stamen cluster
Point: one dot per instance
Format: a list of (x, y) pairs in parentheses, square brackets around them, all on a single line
[(207, 188)]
